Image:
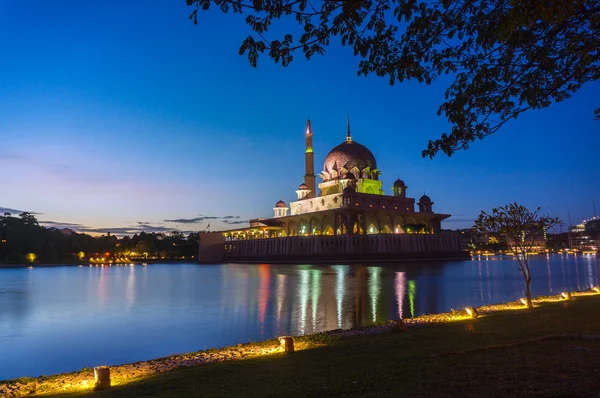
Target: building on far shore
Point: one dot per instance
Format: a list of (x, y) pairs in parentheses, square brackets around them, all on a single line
[(585, 235), (347, 214)]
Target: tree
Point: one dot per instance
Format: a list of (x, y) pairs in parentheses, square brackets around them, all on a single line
[(523, 229), (28, 219), (506, 57)]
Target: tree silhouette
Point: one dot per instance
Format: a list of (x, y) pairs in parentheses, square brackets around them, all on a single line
[(523, 228)]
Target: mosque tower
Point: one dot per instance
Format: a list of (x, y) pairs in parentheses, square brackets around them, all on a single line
[(309, 176)]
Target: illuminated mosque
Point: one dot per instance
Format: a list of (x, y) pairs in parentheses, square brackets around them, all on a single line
[(349, 200), (348, 216)]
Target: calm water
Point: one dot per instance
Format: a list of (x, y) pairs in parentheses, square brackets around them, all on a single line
[(65, 318)]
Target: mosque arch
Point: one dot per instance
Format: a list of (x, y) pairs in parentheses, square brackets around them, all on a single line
[(315, 226), (303, 227), (292, 228), (357, 224), (386, 224), (327, 226), (398, 225), (341, 224), (370, 190), (372, 224)]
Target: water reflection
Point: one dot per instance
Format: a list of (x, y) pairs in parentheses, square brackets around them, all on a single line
[(135, 313), (400, 289)]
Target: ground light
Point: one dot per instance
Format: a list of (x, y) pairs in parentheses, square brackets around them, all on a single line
[(472, 312), (566, 295), (102, 377), (596, 289), (523, 301), (287, 343)]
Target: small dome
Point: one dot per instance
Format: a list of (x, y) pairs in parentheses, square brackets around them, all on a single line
[(303, 187), (424, 198), (281, 203), (349, 190), (399, 183)]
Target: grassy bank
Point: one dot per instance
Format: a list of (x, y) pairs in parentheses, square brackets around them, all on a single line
[(553, 350)]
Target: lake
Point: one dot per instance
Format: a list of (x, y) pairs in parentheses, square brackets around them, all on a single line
[(60, 319)]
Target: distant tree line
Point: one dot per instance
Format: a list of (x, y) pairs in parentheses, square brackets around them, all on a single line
[(23, 239)]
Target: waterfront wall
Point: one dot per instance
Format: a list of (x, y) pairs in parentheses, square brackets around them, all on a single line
[(384, 247)]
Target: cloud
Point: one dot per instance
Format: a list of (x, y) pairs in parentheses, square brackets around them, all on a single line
[(57, 224), (127, 230), (14, 212), (235, 222), (201, 218), (191, 220), (153, 228)]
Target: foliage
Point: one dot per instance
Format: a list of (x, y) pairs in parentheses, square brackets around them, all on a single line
[(522, 228), (506, 57), (23, 235)]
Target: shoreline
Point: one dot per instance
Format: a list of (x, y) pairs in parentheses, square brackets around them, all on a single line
[(97, 264), (83, 380)]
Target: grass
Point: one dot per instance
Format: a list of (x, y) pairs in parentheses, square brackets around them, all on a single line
[(433, 360)]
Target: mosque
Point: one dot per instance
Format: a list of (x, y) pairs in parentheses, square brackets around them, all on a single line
[(347, 214)]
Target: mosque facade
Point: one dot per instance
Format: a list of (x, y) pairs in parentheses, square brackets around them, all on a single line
[(346, 214)]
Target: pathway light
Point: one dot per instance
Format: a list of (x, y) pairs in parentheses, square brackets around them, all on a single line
[(566, 295), (102, 377), (472, 312), (287, 343), (523, 301)]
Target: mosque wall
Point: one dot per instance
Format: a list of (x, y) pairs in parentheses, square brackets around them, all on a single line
[(327, 202), (375, 246)]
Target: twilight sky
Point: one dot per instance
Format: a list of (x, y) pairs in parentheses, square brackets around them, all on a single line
[(123, 116)]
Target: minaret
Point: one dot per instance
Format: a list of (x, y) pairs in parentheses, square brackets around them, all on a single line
[(348, 136), (309, 176)]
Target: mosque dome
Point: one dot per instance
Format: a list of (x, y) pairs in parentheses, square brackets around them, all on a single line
[(349, 154), (281, 203), (424, 198), (399, 183), (303, 186)]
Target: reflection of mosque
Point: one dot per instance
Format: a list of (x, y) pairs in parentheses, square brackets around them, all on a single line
[(310, 299), (347, 214)]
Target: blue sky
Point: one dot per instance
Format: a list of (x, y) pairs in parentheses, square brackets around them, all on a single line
[(120, 115)]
